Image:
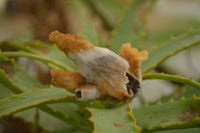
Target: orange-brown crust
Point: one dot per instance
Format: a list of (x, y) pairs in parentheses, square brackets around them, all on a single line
[(68, 80), (134, 57), (87, 86), (117, 92), (69, 43)]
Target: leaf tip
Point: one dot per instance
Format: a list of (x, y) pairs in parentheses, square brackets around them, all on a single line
[(172, 38), (32, 89), (191, 30), (11, 95), (171, 100), (194, 96), (182, 98), (159, 102)]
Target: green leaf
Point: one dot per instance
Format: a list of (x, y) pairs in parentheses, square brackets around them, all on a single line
[(71, 129), (104, 13), (46, 60), (6, 45), (175, 78), (6, 86), (38, 97), (132, 25), (169, 49), (6, 83), (186, 91), (24, 81), (180, 114), (77, 115), (190, 130), (29, 99), (48, 51), (70, 112), (86, 22), (56, 54), (117, 120)]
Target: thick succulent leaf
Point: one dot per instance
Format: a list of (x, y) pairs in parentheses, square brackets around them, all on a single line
[(53, 52), (172, 47), (20, 76), (70, 113), (30, 99), (131, 26), (6, 45), (48, 51), (24, 81), (158, 35), (19, 80), (174, 78), (70, 129), (86, 22), (77, 116), (185, 91), (115, 120), (56, 54), (190, 130), (6, 86), (37, 97), (46, 60), (6, 83), (184, 113), (67, 112), (5, 92), (107, 11)]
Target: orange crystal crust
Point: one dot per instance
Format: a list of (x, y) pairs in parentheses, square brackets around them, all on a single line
[(68, 80), (134, 58), (69, 43)]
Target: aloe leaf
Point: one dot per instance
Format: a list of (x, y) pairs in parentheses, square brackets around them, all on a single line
[(35, 56), (21, 75), (115, 120), (99, 9), (70, 112), (132, 25), (56, 54), (15, 45), (4, 81), (189, 130), (77, 115), (185, 91), (184, 113), (53, 52), (24, 81), (175, 78), (169, 49), (48, 51), (29, 99), (41, 97), (70, 129), (86, 22)]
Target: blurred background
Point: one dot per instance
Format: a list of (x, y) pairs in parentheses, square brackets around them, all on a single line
[(28, 20)]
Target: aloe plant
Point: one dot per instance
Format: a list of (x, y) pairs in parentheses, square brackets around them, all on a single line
[(172, 113)]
